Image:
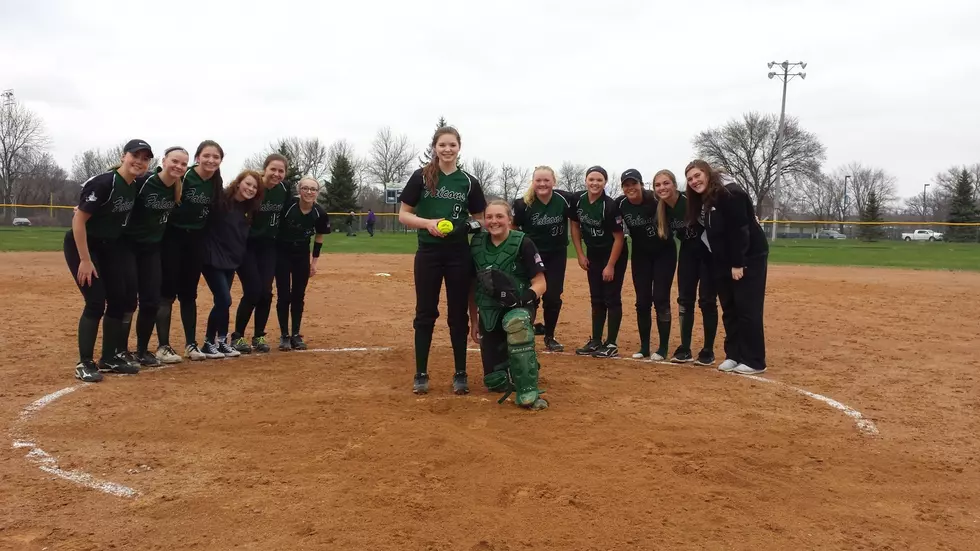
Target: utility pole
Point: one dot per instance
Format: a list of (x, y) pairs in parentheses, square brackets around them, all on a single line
[(843, 213), (924, 186), (8, 98), (785, 76)]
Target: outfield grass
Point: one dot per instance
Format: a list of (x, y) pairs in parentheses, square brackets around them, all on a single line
[(898, 254)]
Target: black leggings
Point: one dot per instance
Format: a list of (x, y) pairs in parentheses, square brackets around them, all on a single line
[(493, 348), (554, 274), (742, 305), (257, 272), (433, 264), (292, 276), (653, 275), (105, 296), (181, 254), (696, 278), (606, 296), (144, 262), (219, 281)]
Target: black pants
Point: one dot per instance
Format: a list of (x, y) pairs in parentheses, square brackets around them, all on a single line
[(606, 296), (219, 281), (742, 304), (181, 254), (257, 272), (653, 275), (292, 276), (105, 296), (144, 262), (433, 264), (694, 277), (493, 348), (554, 274)]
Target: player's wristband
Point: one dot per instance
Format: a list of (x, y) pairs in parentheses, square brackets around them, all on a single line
[(316, 249)]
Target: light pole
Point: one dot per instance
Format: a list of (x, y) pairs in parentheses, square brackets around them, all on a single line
[(843, 212), (924, 186), (785, 76)]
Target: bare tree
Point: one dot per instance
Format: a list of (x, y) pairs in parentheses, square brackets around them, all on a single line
[(866, 180), (819, 197), (309, 155), (22, 141), (486, 173), (93, 162), (512, 181), (571, 177), (746, 149), (391, 159), (613, 186)]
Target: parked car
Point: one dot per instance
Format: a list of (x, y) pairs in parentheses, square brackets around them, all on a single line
[(922, 235), (829, 234), (22, 222)]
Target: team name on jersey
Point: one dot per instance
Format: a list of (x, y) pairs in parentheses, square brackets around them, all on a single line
[(584, 218), (539, 219), (270, 207), (443, 193), (637, 220), (121, 204), (155, 202), (196, 197)]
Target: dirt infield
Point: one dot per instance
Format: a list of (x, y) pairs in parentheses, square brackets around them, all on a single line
[(332, 451)]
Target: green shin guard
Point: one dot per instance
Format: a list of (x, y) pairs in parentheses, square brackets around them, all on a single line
[(522, 358)]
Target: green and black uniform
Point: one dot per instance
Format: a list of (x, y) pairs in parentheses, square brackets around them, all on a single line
[(546, 224), (694, 277), (456, 196), (653, 262), (258, 270), (182, 253), (109, 199), (598, 221), (142, 236), (293, 261)]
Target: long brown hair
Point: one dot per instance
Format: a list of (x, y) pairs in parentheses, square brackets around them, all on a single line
[(226, 200), (661, 204), (530, 195), (696, 201), (430, 173), (216, 178)]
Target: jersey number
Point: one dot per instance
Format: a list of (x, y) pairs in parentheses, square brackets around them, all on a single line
[(163, 219), (457, 210), (274, 220)]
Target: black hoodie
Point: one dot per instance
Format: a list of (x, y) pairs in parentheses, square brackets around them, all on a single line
[(731, 230)]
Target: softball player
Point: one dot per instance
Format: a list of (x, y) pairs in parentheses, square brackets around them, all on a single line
[(653, 260), (739, 258), (543, 214), (91, 251), (158, 194), (303, 218), (441, 191), (182, 249), (693, 272), (594, 219), (259, 267)]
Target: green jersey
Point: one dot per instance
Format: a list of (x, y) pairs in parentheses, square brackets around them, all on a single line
[(266, 222), (598, 220), (154, 201), (678, 220), (545, 224), (109, 199), (642, 222), (456, 196), (297, 228), (197, 198)]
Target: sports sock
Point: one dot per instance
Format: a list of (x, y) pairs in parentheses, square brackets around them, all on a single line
[(88, 332), (598, 321), (188, 316), (663, 329), (111, 331), (687, 327), (710, 328), (644, 321), (615, 319), (124, 331), (164, 314), (423, 340)]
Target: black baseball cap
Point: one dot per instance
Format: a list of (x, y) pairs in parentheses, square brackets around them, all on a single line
[(132, 146), (631, 174)]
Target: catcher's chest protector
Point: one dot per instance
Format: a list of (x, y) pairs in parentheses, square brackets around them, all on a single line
[(504, 258)]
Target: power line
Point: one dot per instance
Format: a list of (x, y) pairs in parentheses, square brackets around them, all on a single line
[(785, 76)]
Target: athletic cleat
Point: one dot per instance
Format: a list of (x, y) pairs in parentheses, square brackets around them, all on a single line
[(640, 355), (705, 357), (285, 344), (460, 384), (87, 372), (149, 360), (682, 356), (194, 353), (589, 348), (551, 345), (538, 404), (657, 357), (132, 359), (421, 384), (608, 350), (227, 350), (727, 366), (167, 355), (211, 351), (539, 329), (240, 344), (117, 364), (743, 369), (297, 342), (259, 344)]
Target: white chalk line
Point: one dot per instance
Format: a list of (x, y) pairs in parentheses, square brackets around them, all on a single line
[(864, 424)]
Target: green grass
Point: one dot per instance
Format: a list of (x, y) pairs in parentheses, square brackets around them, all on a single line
[(897, 254)]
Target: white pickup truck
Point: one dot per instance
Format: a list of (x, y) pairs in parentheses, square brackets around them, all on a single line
[(922, 235)]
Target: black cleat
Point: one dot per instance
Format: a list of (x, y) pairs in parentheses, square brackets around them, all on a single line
[(239, 343), (460, 384), (297, 342), (149, 360), (421, 385), (705, 357), (682, 356), (259, 344), (589, 348), (285, 344), (539, 329), (551, 345), (608, 350), (117, 364), (87, 372), (132, 359)]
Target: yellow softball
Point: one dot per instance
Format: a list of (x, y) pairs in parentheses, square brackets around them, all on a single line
[(445, 226)]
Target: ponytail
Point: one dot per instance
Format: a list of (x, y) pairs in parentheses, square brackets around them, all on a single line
[(529, 195)]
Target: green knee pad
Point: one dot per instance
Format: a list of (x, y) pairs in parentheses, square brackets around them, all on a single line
[(523, 360), (497, 381)]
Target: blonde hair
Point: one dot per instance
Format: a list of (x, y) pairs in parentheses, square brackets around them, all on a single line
[(501, 203), (529, 194), (179, 184), (661, 207)]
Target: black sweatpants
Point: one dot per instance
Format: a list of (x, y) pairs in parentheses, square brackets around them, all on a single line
[(606, 296), (181, 255), (696, 278), (105, 296), (292, 276), (219, 281), (434, 263), (742, 305), (554, 275), (653, 275), (257, 272), (144, 261)]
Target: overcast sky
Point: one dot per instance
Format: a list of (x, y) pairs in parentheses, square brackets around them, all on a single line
[(618, 83)]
